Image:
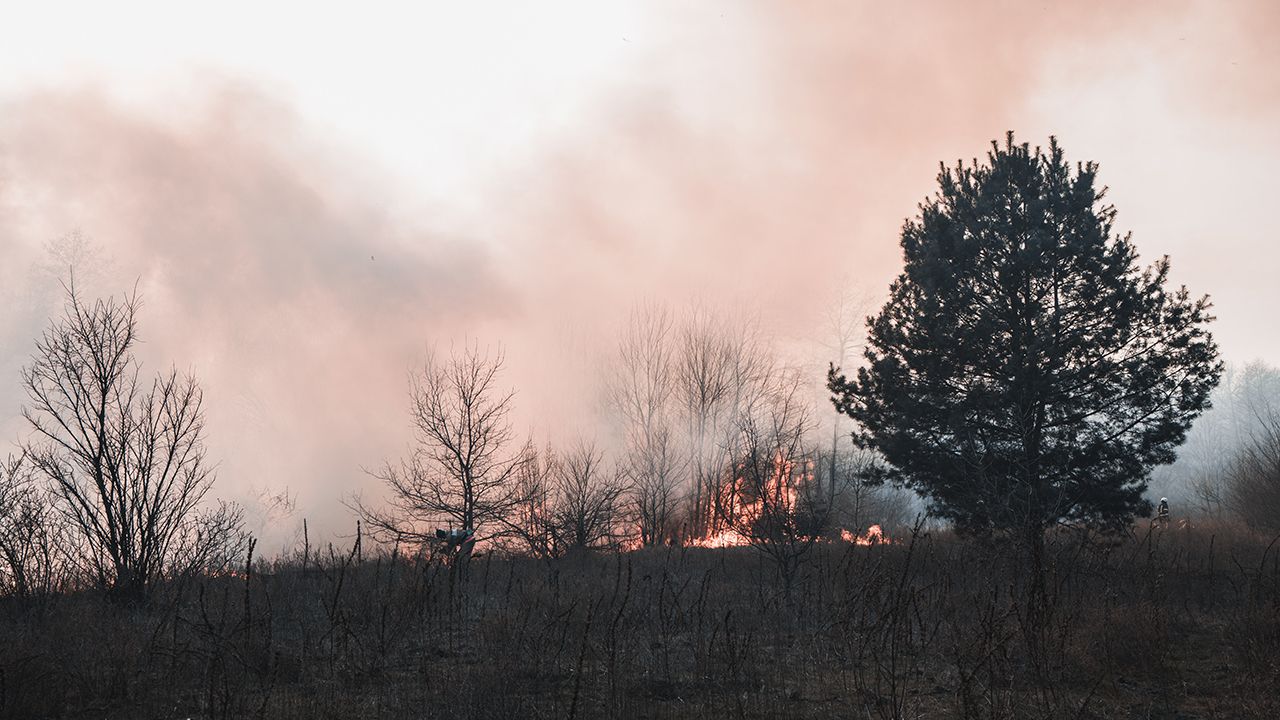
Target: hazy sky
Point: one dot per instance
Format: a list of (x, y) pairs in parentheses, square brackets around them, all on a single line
[(308, 199)]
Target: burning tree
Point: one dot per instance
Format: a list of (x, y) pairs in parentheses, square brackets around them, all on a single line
[(772, 500), (1025, 371)]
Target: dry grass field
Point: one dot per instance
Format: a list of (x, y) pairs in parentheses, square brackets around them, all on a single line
[(1174, 623)]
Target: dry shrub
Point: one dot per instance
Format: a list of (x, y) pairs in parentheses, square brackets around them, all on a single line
[(1253, 482)]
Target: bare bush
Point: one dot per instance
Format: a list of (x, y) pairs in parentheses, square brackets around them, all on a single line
[(775, 503), (1253, 484), (589, 499), (30, 563), (534, 522), (570, 501)]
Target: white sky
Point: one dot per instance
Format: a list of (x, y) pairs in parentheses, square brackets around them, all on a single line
[(439, 93)]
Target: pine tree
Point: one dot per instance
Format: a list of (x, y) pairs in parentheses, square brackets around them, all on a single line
[(1025, 371)]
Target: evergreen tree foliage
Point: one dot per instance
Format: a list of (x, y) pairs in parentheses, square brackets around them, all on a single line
[(1025, 370)]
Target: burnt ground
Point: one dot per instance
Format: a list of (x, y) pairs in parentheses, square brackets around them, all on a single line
[(1180, 623)]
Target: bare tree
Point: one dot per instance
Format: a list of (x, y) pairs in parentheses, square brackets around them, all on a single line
[(642, 390), (653, 469), (125, 458), (570, 501), (704, 384), (466, 467), (843, 334), (533, 521), (644, 381), (721, 369), (588, 499)]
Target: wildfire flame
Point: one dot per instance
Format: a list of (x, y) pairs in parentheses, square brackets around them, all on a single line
[(736, 508), (723, 539), (873, 535)]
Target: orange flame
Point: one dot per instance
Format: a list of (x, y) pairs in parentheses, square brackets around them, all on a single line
[(735, 510), (723, 539), (777, 496), (873, 536)]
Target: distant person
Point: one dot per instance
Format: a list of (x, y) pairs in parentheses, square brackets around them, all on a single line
[(1162, 511), (458, 543)]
